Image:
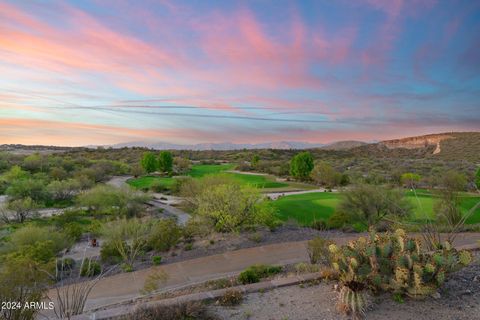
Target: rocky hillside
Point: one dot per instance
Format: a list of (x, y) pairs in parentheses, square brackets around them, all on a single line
[(448, 146), (418, 142)]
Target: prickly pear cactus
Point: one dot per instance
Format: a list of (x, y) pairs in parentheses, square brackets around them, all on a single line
[(395, 262)]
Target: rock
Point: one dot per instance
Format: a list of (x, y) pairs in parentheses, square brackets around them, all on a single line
[(436, 295), (476, 278)]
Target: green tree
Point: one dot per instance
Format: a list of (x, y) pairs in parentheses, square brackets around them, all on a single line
[(410, 180), (22, 280), (15, 173), (448, 207), (63, 189), (255, 160), (370, 204), (164, 234), (182, 165), (228, 207), (32, 188), (34, 162), (301, 165), (20, 210), (128, 238), (104, 199), (165, 161), (324, 174), (149, 163), (136, 170)]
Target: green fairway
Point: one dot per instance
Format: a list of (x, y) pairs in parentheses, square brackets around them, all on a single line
[(200, 170), (259, 181), (305, 208)]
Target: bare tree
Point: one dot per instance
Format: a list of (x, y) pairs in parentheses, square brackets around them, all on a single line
[(18, 210), (71, 292)]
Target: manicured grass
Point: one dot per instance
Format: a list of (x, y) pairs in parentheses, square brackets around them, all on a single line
[(259, 181), (308, 207), (201, 170)]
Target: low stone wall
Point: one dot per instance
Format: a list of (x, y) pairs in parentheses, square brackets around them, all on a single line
[(120, 311)]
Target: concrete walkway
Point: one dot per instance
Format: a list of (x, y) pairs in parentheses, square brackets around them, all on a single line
[(182, 216), (276, 195), (119, 181), (127, 286)]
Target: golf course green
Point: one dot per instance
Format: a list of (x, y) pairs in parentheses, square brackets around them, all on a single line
[(201, 170), (308, 207)]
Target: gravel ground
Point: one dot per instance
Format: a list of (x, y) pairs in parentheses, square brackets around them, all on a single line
[(459, 300)]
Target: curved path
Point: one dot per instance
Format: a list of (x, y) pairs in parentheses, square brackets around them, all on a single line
[(118, 181), (127, 286), (276, 195)]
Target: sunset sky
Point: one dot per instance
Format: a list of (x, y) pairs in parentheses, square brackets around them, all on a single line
[(104, 72)]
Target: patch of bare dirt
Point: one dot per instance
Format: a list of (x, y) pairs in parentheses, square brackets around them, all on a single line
[(459, 299)]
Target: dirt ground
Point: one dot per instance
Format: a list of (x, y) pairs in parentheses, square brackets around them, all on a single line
[(459, 299)]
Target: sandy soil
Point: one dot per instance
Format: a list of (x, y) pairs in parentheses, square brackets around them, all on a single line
[(459, 300)]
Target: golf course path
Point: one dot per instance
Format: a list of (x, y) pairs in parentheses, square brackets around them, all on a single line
[(276, 195), (182, 216), (127, 286), (119, 181)]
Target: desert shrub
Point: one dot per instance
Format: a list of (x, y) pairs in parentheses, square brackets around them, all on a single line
[(73, 231), (324, 174), (104, 199), (190, 310), (303, 267), (63, 190), (127, 237), (28, 188), (319, 225), (156, 260), (153, 280), (65, 264), (22, 209), (391, 262), (109, 253), (254, 273), (164, 234), (41, 252), (22, 280), (90, 268), (126, 267), (338, 220), (360, 227), (158, 186), (256, 237), (317, 249), (231, 297), (370, 204), (248, 276), (31, 239), (229, 207)]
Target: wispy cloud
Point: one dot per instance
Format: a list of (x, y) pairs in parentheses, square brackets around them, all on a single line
[(310, 71)]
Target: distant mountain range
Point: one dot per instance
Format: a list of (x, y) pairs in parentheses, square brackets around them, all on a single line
[(341, 145), (220, 146), (447, 146)]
